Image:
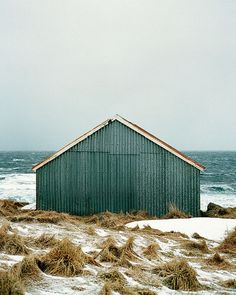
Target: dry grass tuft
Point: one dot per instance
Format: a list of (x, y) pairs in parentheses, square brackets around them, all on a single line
[(151, 251), (109, 241), (109, 287), (90, 230), (120, 255), (4, 230), (229, 284), (116, 220), (43, 217), (110, 251), (228, 245), (109, 254), (197, 247), (115, 281), (147, 229), (12, 210), (178, 275), (136, 228), (10, 207), (12, 243), (45, 241), (90, 260), (127, 250), (106, 289), (217, 261), (65, 259), (144, 277), (113, 276), (15, 245), (27, 270), (10, 284), (174, 212)]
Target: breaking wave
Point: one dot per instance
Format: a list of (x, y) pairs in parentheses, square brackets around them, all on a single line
[(20, 187), (217, 188)]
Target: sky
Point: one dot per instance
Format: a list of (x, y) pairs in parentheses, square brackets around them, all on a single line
[(167, 65)]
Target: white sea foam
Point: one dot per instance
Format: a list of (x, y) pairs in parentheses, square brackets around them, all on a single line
[(20, 187)]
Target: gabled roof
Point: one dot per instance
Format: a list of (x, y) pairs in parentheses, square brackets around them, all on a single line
[(131, 126)]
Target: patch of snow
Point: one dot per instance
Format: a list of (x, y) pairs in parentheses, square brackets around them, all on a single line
[(31, 206), (10, 259), (101, 232), (210, 228)]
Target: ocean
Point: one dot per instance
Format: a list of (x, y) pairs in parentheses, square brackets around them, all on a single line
[(218, 182)]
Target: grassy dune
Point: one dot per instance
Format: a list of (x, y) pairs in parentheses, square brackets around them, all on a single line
[(56, 253)]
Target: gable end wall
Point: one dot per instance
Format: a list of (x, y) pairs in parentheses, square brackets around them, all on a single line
[(117, 169)]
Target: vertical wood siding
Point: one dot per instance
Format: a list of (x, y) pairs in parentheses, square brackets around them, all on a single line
[(117, 169)]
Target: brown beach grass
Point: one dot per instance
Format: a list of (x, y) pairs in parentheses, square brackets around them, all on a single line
[(115, 281), (113, 276), (150, 251), (12, 243), (228, 245), (10, 284), (218, 262), (106, 289), (27, 270), (44, 241), (143, 276), (65, 259), (229, 284), (10, 207), (116, 220), (196, 247), (90, 230), (174, 212), (42, 217), (178, 275), (120, 255)]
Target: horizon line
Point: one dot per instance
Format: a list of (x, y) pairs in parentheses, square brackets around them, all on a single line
[(188, 150)]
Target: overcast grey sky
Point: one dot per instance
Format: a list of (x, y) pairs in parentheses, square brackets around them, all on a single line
[(169, 66)]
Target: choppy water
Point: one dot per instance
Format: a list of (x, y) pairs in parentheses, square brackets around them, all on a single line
[(17, 180), (218, 182)]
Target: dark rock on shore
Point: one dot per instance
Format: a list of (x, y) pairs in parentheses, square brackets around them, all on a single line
[(214, 210)]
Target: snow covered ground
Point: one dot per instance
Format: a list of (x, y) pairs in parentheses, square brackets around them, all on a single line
[(209, 228)]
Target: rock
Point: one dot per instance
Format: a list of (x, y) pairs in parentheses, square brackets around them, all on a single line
[(214, 210)]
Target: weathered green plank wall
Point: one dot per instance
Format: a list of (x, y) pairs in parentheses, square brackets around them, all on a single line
[(117, 169)]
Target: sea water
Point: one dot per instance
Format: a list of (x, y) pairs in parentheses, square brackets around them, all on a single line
[(218, 182)]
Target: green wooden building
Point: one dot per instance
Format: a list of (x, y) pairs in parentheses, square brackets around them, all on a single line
[(118, 166)]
